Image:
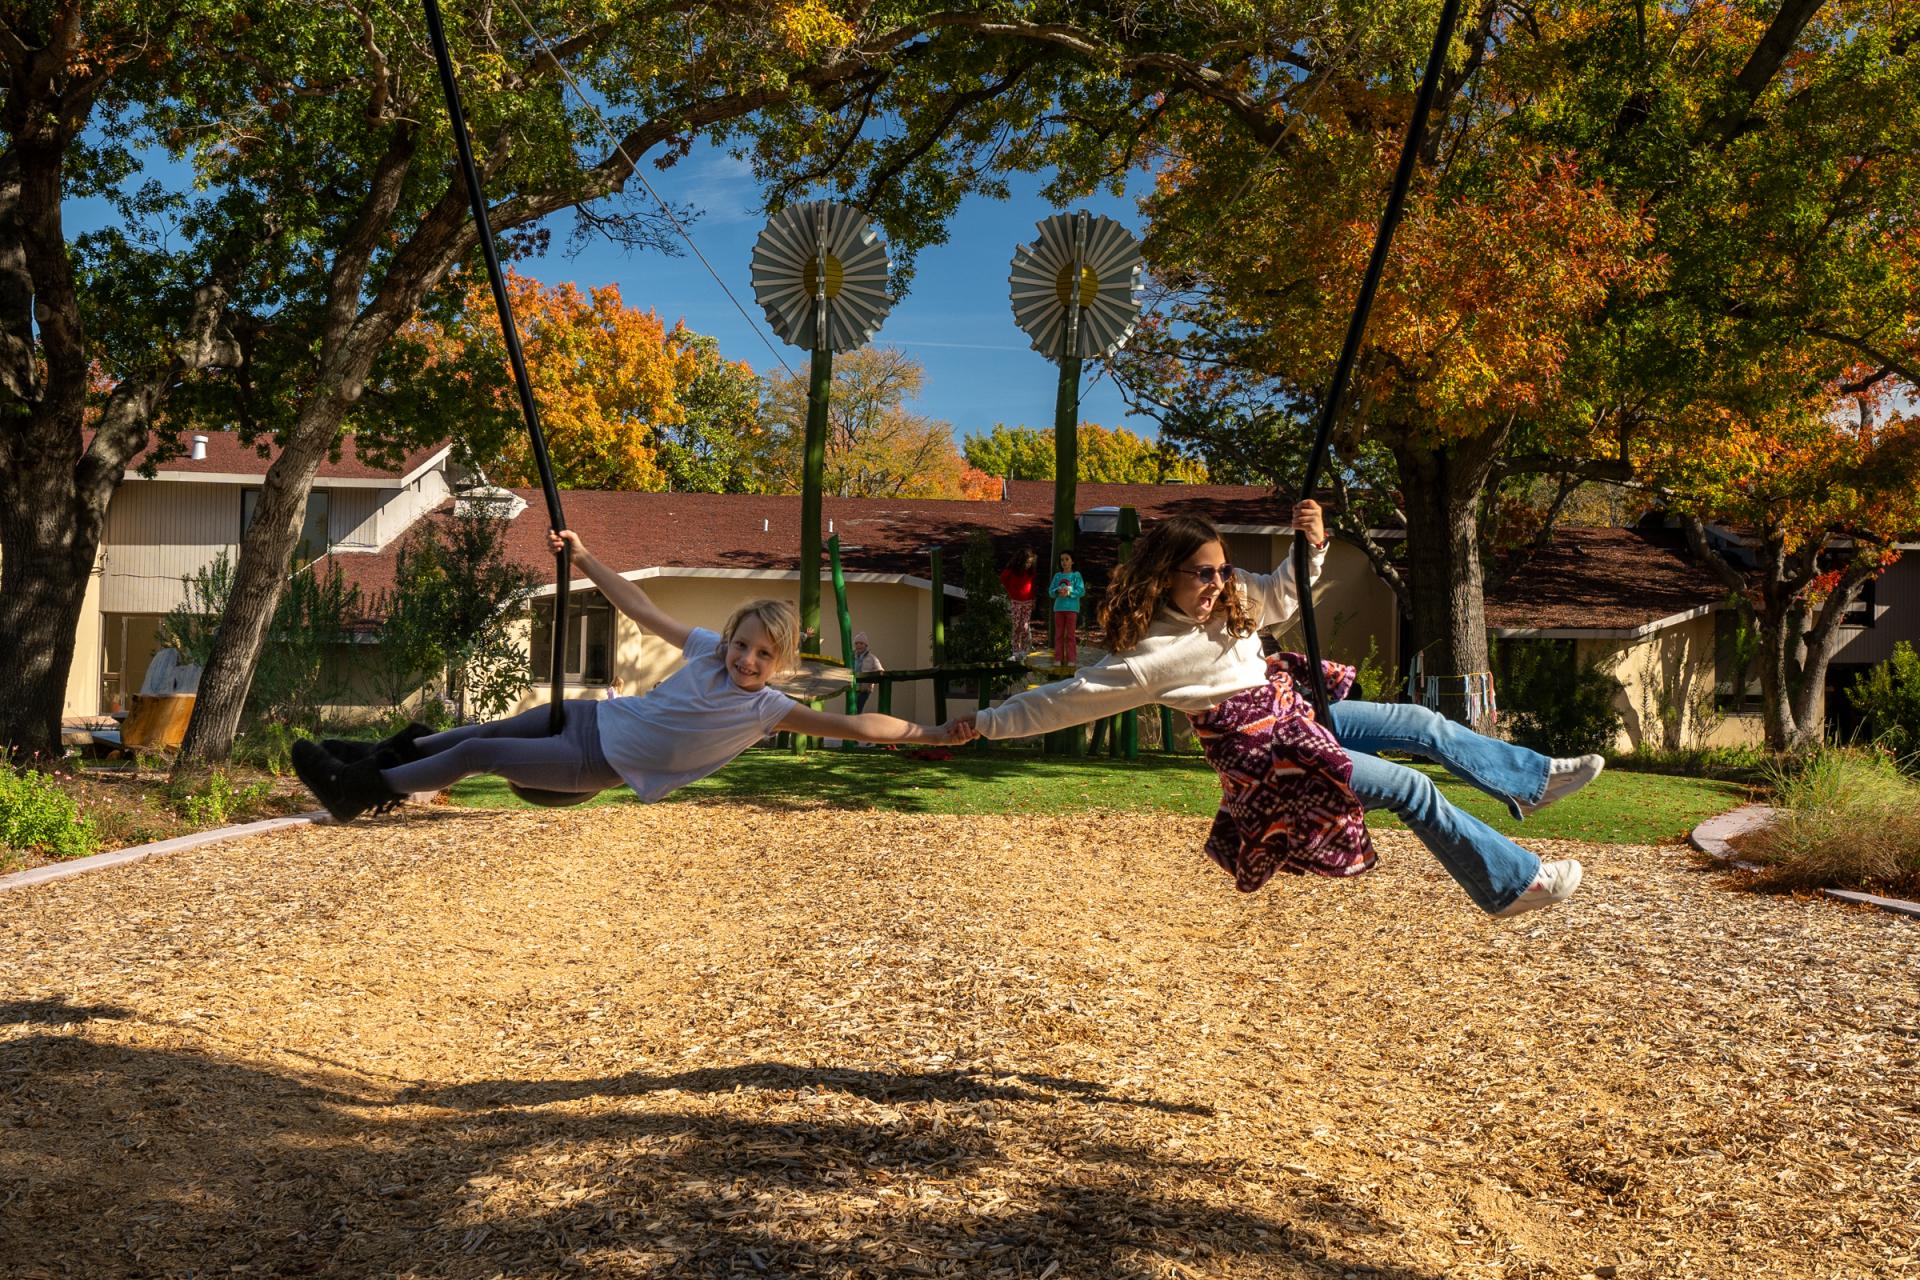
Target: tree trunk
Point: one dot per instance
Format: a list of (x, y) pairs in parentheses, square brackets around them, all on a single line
[(259, 578), (48, 541), (1442, 490)]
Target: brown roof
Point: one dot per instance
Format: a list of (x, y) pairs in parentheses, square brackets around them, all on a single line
[(228, 455), (1603, 580), (877, 535)]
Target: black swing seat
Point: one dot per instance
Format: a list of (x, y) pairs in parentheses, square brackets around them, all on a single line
[(551, 799)]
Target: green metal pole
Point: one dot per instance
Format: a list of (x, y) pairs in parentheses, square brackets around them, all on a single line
[(1166, 730), (939, 640), (1127, 735), (1066, 459), (846, 621), (813, 466)]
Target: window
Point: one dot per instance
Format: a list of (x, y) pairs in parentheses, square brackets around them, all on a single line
[(314, 542), (589, 650), (1736, 662), (1860, 612)]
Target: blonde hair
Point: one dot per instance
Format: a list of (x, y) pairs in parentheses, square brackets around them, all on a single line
[(779, 619)]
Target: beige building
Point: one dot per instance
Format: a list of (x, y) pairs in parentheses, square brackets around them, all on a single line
[(1629, 601)]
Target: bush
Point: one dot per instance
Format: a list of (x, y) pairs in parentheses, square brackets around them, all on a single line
[(216, 801), (983, 632), (1848, 820), (1553, 702), (36, 816), (268, 745), (1888, 700)]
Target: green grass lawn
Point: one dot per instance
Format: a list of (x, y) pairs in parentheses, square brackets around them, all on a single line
[(1621, 808)]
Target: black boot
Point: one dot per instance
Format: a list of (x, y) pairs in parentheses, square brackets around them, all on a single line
[(347, 790), (348, 750)]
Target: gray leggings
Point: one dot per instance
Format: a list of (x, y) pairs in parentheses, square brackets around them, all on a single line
[(519, 749)]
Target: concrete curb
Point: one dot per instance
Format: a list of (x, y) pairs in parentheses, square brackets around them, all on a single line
[(119, 857), (1712, 836)]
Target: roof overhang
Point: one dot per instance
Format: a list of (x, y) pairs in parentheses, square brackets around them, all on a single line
[(1603, 633), (319, 482), (762, 575)]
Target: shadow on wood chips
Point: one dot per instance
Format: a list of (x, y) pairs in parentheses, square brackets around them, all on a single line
[(728, 1041)]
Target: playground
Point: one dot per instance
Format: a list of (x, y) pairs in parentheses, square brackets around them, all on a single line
[(773, 1039)]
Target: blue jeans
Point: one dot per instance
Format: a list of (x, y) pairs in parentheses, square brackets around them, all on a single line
[(1491, 868)]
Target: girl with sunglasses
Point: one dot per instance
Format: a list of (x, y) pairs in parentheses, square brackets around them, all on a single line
[(1182, 630)]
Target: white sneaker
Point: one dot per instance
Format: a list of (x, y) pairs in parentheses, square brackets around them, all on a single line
[(1565, 776), (1555, 883)]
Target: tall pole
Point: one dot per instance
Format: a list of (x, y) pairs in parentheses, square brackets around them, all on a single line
[(814, 460), (1066, 406)]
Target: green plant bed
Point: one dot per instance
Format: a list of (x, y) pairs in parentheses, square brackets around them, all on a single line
[(1848, 819), (1618, 809)]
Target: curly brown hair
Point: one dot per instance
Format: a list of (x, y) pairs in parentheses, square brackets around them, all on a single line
[(1141, 583)]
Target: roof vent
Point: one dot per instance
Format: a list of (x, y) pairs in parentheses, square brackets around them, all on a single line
[(199, 451), (1100, 520)]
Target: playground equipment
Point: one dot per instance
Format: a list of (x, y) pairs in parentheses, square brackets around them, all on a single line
[(821, 273), (1076, 293)]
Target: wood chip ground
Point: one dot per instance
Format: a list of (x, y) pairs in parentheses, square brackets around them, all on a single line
[(709, 1041)]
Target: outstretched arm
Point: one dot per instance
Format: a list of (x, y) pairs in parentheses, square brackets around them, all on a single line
[(1104, 689), (625, 596), (868, 726)]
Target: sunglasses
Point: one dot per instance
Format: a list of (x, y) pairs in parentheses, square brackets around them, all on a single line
[(1207, 573)]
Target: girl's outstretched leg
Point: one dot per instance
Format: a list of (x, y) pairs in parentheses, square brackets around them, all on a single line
[(1493, 870), (1508, 772), (518, 748)]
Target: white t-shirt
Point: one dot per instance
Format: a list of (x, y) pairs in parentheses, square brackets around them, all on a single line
[(689, 724)]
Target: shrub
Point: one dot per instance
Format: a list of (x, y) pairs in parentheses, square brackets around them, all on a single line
[(1848, 820), (215, 801), (1888, 700), (36, 816), (268, 745), (1553, 702), (984, 630)]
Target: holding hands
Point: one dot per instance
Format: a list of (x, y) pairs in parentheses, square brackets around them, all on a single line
[(958, 730)]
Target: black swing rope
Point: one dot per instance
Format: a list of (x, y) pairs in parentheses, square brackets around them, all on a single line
[(556, 517), (1356, 329)]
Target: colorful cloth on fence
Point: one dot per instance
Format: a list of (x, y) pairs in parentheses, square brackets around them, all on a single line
[(1285, 800)]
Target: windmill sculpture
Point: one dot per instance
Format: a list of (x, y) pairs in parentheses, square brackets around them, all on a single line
[(1076, 293), (821, 273)]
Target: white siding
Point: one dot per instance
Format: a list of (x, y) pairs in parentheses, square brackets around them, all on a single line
[(353, 517), (158, 533)]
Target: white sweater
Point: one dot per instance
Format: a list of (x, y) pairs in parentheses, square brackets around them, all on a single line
[(1184, 664)]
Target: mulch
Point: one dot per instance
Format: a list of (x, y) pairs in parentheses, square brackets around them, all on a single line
[(717, 1041)]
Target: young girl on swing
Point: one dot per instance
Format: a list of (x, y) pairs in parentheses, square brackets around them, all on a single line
[(689, 725), (1181, 627)]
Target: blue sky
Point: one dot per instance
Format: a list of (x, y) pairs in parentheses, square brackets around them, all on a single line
[(957, 320)]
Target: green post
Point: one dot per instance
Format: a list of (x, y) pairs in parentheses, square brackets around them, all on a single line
[(886, 696), (813, 465), (1066, 459), (1127, 735), (1166, 730), (846, 622), (939, 640)]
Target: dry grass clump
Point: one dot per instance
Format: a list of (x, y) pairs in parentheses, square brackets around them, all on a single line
[(1848, 820)]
